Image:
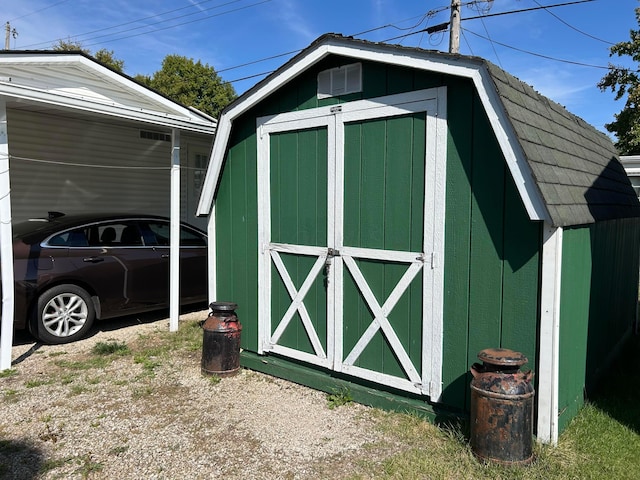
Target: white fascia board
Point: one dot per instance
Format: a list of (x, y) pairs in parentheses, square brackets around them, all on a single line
[(505, 135), (59, 99), (226, 120), (174, 114)]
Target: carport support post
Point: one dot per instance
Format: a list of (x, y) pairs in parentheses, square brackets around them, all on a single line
[(174, 249), (6, 246)]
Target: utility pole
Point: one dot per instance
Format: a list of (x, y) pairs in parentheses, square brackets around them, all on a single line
[(7, 37), (454, 27)]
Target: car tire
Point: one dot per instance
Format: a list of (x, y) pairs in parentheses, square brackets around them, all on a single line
[(64, 314)]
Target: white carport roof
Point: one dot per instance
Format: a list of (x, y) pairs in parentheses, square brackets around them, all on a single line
[(41, 81), (73, 80)]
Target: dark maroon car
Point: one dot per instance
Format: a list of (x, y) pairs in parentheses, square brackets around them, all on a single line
[(73, 269)]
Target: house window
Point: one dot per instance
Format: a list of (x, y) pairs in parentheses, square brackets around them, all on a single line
[(340, 81)]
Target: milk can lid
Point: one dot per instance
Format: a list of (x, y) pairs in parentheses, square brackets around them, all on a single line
[(223, 306), (502, 356)]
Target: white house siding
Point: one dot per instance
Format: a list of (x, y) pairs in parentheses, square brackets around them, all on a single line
[(81, 165)]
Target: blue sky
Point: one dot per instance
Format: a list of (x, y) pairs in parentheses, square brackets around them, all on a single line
[(562, 52)]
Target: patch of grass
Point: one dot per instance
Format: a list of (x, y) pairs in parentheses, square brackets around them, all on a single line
[(88, 465), (110, 348), (9, 372), (53, 463), (339, 397), (11, 396), (149, 362), (119, 450), (37, 383), (94, 380), (603, 441), (57, 354), (142, 392), (86, 364), (77, 390)]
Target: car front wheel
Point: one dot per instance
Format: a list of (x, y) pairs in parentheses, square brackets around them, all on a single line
[(65, 314)]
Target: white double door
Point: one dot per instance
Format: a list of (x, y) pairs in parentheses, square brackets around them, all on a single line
[(351, 224)]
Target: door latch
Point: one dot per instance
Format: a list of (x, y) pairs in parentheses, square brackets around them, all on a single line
[(331, 252)]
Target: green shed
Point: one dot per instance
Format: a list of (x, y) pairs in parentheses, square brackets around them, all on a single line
[(383, 213)]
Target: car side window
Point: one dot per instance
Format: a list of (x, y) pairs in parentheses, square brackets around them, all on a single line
[(161, 236), (191, 238), (71, 238), (117, 234)]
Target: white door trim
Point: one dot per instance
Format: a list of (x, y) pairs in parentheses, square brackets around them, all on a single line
[(432, 101)]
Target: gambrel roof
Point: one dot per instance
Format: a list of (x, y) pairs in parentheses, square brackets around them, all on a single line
[(566, 171)]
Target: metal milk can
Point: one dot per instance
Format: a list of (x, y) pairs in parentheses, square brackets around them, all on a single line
[(221, 340), (502, 408)]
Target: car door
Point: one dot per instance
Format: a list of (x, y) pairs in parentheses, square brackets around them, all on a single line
[(193, 258), (113, 260)]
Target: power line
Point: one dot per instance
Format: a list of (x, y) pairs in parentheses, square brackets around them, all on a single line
[(162, 21), (571, 26), (131, 22), (38, 11), (536, 54)]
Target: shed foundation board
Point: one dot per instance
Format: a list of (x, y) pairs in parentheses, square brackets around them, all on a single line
[(361, 392)]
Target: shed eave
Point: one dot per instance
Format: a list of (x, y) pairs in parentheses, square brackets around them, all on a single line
[(387, 54)]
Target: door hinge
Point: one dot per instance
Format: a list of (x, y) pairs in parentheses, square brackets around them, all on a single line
[(336, 109)]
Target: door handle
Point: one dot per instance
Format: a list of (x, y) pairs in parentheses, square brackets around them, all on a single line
[(93, 259), (164, 255)]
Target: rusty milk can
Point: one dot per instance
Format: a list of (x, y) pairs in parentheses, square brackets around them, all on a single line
[(221, 340), (502, 408)]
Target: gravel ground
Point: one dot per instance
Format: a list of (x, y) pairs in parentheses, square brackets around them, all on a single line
[(121, 422)]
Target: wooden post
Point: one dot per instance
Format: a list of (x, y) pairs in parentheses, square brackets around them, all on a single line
[(454, 27)]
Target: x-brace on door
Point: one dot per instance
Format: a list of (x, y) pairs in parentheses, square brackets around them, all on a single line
[(351, 215)]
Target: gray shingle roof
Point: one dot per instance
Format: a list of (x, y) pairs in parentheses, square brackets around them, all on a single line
[(575, 166)]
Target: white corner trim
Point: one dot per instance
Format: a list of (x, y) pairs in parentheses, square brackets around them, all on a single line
[(549, 354)]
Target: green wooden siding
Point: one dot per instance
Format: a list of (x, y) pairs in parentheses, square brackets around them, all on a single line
[(598, 304), (383, 209), (491, 248), (237, 231), (299, 216)]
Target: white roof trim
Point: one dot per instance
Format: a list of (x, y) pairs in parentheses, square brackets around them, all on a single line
[(460, 67), (169, 114)]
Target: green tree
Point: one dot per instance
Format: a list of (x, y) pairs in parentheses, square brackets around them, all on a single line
[(623, 81), (191, 83), (103, 55)]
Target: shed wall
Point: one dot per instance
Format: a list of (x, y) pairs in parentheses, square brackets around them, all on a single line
[(599, 296), (77, 165), (492, 249)]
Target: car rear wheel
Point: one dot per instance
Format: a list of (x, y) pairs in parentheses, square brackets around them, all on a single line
[(65, 313)]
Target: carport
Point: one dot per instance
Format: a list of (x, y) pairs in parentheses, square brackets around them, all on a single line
[(74, 135)]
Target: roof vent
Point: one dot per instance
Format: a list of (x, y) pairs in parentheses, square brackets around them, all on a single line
[(165, 137), (340, 81)]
